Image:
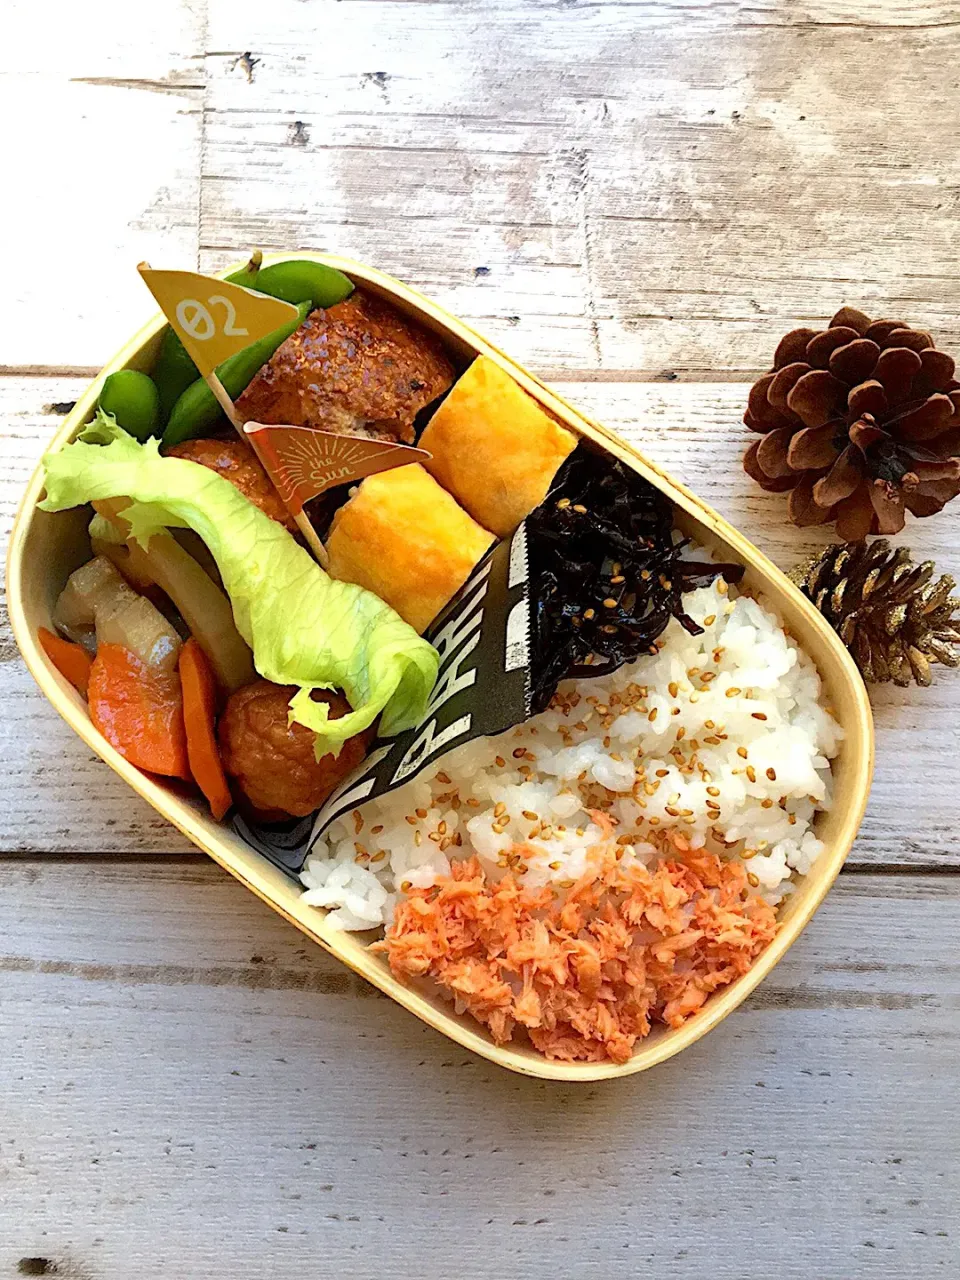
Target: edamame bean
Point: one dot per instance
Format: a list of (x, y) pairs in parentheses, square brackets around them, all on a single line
[(173, 372), (248, 273), (133, 399), (301, 280), (197, 409)]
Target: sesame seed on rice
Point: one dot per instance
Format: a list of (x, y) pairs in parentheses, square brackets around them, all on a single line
[(464, 805)]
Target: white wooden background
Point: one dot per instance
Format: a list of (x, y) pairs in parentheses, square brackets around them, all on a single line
[(636, 197)]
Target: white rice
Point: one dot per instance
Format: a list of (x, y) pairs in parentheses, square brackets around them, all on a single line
[(612, 744)]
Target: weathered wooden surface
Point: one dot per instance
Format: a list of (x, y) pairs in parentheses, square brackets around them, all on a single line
[(649, 186), (199, 1092), (101, 107), (636, 197)]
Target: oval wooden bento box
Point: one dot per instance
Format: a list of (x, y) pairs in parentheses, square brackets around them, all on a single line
[(44, 548)]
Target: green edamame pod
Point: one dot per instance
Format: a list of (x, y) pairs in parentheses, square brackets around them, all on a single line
[(304, 281), (248, 273), (134, 401), (175, 370), (197, 410)]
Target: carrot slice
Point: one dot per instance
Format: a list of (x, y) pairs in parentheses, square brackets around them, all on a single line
[(139, 710), (71, 660), (199, 717)]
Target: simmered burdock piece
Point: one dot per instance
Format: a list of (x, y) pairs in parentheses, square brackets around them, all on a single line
[(359, 367), (272, 762)]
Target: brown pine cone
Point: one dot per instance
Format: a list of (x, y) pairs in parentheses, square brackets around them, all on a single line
[(860, 421), (888, 610)]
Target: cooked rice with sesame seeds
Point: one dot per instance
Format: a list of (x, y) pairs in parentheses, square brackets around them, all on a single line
[(602, 752)]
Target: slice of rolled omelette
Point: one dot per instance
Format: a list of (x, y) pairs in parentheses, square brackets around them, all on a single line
[(407, 540), (494, 448)]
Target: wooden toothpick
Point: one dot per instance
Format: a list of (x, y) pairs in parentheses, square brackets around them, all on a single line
[(303, 524)]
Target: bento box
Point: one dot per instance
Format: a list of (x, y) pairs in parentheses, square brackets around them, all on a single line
[(45, 548)]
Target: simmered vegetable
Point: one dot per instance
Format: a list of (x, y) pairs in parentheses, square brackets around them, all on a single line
[(71, 660), (139, 626), (199, 718), (305, 629), (116, 553), (93, 582), (96, 596), (204, 607), (139, 710)]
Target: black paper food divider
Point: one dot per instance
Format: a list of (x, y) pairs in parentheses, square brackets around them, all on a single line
[(587, 582), (483, 688)]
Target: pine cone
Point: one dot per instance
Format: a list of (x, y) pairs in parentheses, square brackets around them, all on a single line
[(859, 421), (886, 609)]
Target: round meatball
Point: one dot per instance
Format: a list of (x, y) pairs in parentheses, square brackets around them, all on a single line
[(272, 762), (237, 462)]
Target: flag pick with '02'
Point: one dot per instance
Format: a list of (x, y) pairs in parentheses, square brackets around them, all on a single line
[(213, 318)]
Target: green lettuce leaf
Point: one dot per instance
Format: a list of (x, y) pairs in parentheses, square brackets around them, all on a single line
[(304, 628)]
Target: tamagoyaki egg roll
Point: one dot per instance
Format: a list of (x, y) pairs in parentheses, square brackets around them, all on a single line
[(494, 448), (407, 540)]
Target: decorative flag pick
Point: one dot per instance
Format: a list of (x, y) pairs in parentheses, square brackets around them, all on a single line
[(214, 320), (304, 462)]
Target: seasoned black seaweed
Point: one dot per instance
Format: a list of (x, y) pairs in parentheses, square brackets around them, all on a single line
[(608, 575)]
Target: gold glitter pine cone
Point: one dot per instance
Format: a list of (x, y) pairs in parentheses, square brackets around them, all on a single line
[(860, 422), (887, 609)]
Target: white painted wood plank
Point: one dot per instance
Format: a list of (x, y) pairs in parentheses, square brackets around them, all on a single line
[(102, 128), (55, 796), (191, 1089), (926, 14), (649, 186), (106, 38), (495, 235)]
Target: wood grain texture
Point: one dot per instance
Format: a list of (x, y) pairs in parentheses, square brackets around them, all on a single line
[(191, 1090), (56, 797), (650, 186), (101, 106), (618, 191)]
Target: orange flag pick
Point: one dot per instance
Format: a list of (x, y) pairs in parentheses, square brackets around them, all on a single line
[(212, 318), (304, 462)]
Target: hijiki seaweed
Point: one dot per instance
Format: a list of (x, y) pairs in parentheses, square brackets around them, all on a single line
[(609, 573)]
